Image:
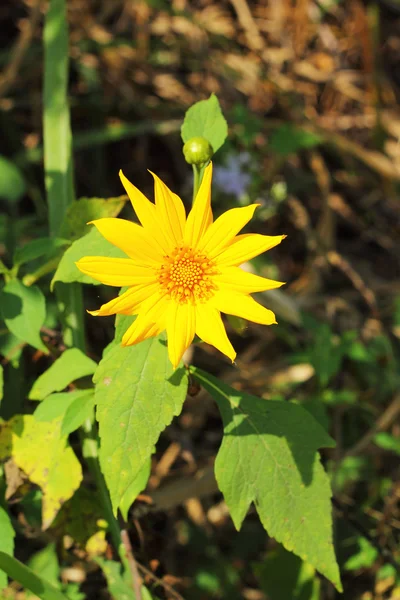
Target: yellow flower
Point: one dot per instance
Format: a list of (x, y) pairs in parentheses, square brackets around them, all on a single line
[(181, 272)]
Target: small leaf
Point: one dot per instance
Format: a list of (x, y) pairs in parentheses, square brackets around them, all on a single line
[(288, 139), (45, 564), (7, 535), (119, 585), (41, 452), (133, 491), (91, 244), (37, 248), (364, 558), (283, 575), (71, 365), (12, 183), (205, 119), (269, 456), (80, 212), (56, 405), (137, 395), (77, 413), (24, 311)]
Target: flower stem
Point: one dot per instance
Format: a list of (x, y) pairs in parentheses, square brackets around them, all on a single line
[(196, 180)]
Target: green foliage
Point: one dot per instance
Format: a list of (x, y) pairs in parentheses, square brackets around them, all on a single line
[(24, 311), (6, 541), (288, 139), (41, 247), (137, 486), (71, 365), (12, 183), (29, 579), (91, 244), (387, 442), (364, 558), (80, 212), (45, 564), (205, 119), (137, 395), (73, 407), (280, 440), (283, 576)]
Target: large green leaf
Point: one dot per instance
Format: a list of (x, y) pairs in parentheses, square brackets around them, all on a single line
[(71, 365), (137, 395), (205, 119), (269, 456), (24, 311), (80, 212), (91, 244), (6, 541)]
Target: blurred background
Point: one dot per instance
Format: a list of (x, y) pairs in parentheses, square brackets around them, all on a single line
[(310, 91)]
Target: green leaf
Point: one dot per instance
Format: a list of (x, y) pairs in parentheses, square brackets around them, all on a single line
[(288, 139), (364, 558), (80, 212), (57, 404), (91, 244), (133, 491), (71, 365), (137, 395), (6, 541), (41, 452), (28, 579), (45, 564), (387, 441), (24, 311), (37, 248), (284, 576), (12, 183), (119, 585), (205, 119), (77, 413), (269, 456)]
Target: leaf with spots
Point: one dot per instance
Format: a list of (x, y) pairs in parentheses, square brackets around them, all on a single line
[(43, 454), (269, 457), (137, 395)]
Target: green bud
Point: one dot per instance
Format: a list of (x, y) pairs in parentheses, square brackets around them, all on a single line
[(197, 151)]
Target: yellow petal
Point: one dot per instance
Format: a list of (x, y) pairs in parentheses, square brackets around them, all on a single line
[(247, 246), (170, 211), (234, 278), (181, 327), (210, 328), (243, 306), (150, 322), (127, 303), (132, 239), (116, 271), (146, 212), (200, 217), (223, 230)]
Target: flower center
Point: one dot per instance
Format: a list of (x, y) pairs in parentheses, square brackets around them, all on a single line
[(186, 275)]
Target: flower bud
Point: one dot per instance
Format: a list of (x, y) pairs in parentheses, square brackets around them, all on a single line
[(197, 151)]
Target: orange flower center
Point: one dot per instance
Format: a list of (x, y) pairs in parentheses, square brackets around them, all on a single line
[(187, 275)]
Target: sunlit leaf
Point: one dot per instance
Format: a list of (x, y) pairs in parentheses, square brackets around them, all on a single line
[(205, 119), (71, 365), (42, 453), (269, 456), (6, 541), (91, 244), (80, 212), (137, 395), (137, 486), (24, 311)]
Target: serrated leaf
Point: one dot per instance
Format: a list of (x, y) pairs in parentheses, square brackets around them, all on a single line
[(137, 395), (205, 119), (71, 365), (91, 244), (38, 248), (284, 576), (24, 311), (7, 535), (133, 491), (12, 183), (269, 456), (42, 453), (80, 212), (56, 405)]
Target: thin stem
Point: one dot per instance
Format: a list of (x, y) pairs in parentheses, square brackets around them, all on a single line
[(196, 180)]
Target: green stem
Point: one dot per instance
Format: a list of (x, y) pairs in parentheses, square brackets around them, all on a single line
[(43, 270), (196, 180)]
